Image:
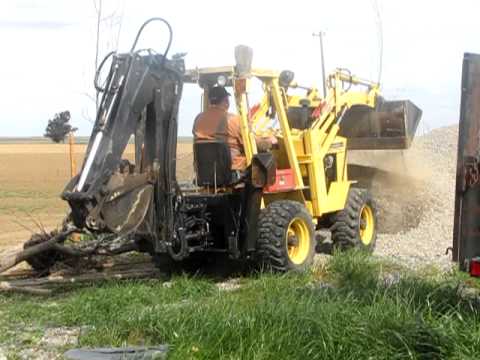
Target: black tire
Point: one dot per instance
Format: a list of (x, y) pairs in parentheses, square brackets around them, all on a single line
[(276, 222), (350, 228)]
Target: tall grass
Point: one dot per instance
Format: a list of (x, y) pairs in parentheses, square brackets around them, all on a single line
[(293, 316)]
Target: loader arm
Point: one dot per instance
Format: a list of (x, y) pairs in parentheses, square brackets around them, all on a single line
[(366, 119)]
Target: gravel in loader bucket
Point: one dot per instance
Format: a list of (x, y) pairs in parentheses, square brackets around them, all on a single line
[(391, 126)]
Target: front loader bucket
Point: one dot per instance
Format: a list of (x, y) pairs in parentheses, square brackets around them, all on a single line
[(391, 126)]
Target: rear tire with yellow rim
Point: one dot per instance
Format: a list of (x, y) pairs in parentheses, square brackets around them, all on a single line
[(356, 225), (286, 237)]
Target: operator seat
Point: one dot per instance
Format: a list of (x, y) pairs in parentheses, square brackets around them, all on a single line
[(213, 163)]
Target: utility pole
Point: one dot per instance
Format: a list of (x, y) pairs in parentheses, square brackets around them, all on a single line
[(320, 35), (73, 163)]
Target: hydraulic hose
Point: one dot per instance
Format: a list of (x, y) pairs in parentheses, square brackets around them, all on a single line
[(97, 73), (143, 27), (349, 82)]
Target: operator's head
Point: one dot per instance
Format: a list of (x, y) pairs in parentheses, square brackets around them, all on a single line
[(219, 96)]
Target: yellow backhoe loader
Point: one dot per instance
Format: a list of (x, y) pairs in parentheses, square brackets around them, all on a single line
[(304, 181), (269, 214)]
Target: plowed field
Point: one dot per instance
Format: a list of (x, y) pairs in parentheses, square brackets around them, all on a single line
[(32, 176)]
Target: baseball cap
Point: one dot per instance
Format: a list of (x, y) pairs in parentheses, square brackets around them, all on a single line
[(217, 93)]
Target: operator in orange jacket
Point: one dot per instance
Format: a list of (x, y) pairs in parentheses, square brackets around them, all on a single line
[(216, 123)]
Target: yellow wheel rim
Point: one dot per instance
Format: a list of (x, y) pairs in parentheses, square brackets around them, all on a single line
[(298, 241), (367, 225)]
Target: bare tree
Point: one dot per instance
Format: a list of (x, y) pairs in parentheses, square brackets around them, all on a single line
[(98, 10), (108, 24), (378, 21)]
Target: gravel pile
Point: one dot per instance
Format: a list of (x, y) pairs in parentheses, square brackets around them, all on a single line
[(415, 198)]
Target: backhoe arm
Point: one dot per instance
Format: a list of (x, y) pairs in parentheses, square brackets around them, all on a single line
[(137, 86)]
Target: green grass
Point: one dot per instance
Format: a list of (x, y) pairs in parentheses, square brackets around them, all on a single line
[(293, 316)]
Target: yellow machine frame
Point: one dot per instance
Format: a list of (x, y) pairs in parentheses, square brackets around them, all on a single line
[(304, 151)]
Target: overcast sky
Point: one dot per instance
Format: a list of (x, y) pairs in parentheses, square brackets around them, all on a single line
[(48, 48)]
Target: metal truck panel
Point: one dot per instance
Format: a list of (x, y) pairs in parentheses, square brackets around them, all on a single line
[(466, 233)]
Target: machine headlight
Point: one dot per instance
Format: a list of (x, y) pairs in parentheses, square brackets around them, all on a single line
[(221, 80), (328, 161)]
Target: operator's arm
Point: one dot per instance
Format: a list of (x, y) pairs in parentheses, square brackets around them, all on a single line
[(264, 143), (235, 142), (234, 132)]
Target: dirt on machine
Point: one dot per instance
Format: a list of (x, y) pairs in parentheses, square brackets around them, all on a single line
[(267, 216)]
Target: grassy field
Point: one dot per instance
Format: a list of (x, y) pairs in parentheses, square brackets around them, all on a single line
[(33, 175), (351, 307)]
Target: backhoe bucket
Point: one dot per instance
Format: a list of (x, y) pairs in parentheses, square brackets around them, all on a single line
[(391, 126)]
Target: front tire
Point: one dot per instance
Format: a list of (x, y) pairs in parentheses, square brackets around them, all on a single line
[(286, 237), (356, 225)]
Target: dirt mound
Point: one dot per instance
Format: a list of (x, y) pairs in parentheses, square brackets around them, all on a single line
[(415, 192)]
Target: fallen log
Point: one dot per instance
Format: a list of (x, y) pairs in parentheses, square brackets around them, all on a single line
[(18, 274), (107, 264), (8, 287), (25, 254), (87, 277), (78, 252), (111, 268)]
